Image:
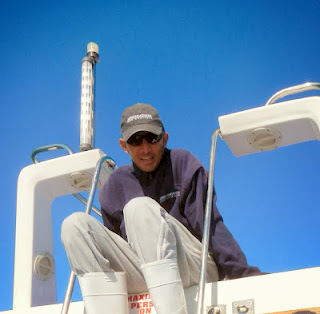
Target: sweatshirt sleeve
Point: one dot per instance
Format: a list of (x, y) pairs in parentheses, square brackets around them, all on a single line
[(226, 251), (116, 192), (229, 257), (111, 217), (112, 202)]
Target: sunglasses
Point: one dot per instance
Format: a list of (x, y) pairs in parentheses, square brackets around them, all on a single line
[(137, 139)]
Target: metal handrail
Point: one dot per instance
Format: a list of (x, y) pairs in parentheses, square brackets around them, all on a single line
[(292, 90), (207, 221), (49, 148), (85, 201), (72, 277)]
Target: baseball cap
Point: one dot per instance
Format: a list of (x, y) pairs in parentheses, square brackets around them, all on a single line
[(140, 117)]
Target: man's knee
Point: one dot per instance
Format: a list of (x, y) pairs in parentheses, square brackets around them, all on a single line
[(73, 225), (141, 207)]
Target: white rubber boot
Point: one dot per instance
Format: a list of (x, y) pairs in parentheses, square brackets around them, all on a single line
[(104, 293), (165, 286)]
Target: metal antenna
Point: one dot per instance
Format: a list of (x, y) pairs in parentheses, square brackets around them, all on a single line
[(88, 97)]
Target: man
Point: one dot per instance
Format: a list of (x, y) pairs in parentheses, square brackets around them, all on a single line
[(153, 215)]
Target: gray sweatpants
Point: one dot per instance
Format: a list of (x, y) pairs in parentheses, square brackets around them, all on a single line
[(152, 234)]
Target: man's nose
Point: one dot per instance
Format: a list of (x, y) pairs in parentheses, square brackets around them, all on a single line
[(145, 146)]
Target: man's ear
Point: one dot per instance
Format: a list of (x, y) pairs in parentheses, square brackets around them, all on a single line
[(165, 137), (123, 145)]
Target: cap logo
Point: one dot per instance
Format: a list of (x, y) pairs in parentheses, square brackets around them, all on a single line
[(139, 116)]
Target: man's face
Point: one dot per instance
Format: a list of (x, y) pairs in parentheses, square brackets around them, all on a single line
[(145, 155)]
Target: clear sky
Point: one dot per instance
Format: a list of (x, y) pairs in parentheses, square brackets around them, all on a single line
[(192, 60)]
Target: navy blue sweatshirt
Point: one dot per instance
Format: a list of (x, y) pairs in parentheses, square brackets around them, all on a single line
[(179, 185)]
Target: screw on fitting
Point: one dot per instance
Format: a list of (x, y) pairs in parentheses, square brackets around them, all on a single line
[(93, 51), (43, 266), (242, 309), (214, 310)]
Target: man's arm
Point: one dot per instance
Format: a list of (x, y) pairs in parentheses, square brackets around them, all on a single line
[(111, 204), (227, 251), (229, 257), (119, 189), (110, 222)]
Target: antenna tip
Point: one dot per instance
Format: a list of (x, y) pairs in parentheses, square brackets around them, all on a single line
[(92, 47)]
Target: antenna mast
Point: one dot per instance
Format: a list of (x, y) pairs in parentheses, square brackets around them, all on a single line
[(87, 123)]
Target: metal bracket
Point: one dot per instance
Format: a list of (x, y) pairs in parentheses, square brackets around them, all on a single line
[(216, 309), (244, 306)]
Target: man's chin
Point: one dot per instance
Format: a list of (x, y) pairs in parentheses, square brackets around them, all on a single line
[(147, 167)]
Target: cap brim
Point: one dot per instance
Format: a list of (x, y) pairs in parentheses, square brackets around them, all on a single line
[(155, 129)]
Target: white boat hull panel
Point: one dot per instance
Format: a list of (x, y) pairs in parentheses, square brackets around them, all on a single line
[(285, 292)]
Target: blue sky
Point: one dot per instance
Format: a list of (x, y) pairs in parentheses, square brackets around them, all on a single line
[(194, 61)]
